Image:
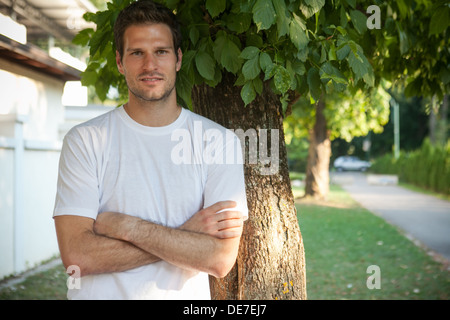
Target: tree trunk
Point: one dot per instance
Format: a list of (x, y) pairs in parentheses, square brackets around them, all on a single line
[(271, 263), (319, 153)]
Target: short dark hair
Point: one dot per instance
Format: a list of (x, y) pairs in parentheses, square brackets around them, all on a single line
[(145, 12)]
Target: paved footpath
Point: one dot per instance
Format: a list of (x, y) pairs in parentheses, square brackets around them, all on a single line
[(422, 217)]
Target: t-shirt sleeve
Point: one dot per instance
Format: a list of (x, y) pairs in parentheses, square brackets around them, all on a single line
[(77, 187), (225, 176)]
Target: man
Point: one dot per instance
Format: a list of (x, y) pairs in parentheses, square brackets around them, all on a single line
[(136, 223)]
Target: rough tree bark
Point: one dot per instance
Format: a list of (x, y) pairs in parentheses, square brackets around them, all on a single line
[(319, 153), (271, 263)]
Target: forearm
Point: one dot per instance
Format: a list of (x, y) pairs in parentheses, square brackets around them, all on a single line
[(93, 253), (105, 255), (185, 249)]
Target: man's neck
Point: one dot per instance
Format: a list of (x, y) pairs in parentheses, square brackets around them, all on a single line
[(153, 114)]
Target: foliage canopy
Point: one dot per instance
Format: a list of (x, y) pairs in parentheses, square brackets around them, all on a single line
[(302, 46)]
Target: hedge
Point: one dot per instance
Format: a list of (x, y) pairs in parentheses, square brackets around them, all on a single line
[(427, 167)]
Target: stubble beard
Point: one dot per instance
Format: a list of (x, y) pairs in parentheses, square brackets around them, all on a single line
[(141, 94)]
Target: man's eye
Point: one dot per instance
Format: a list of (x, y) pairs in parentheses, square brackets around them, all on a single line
[(162, 52), (136, 53)]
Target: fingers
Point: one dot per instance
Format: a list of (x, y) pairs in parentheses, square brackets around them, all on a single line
[(227, 215), (230, 224), (221, 205), (230, 219), (229, 233), (217, 220)]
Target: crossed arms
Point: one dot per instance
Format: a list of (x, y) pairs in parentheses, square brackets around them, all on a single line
[(207, 242)]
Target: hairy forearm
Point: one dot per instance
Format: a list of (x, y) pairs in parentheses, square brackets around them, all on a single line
[(106, 255), (95, 254), (185, 249)]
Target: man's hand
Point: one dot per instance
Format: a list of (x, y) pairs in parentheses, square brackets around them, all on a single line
[(216, 221)]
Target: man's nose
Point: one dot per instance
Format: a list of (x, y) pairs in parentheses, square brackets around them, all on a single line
[(150, 62)]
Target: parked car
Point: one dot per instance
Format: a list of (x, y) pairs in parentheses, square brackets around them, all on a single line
[(351, 163)]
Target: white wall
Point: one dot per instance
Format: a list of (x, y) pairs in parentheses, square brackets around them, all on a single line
[(31, 113), (6, 211), (33, 122)]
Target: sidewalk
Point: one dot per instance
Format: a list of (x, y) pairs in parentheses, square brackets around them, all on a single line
[(422, 217)]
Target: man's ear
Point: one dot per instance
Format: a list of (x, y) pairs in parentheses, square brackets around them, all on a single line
[(179, 59), (119, 62)]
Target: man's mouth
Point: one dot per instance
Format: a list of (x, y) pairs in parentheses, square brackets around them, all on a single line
[(151, 78)]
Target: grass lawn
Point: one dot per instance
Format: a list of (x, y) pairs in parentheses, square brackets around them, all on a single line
[(46, 285), (341, 241)]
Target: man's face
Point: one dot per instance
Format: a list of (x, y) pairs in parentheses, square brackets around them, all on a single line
[(149, 61)]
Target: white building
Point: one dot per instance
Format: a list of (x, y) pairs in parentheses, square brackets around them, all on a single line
[(33, 120)]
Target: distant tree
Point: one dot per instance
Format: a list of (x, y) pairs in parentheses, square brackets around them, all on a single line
[(408, 51)]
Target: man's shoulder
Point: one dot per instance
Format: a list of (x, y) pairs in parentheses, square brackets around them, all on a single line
[(95, 126)]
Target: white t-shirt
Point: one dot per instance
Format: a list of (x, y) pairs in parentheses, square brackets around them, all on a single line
[(160, 174)]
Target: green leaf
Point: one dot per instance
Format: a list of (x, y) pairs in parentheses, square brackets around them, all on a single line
[(311, 7), (194, 35), (341, 30), (403, 38), (314, 83), (297, 33), (332, 53), (98, 41), (240, 81), (265, 61), (440, 20), (358, 67), (238, 23), (215, 7), (352, 3), (251, 68), (343, 52), (258, 85), (282, 79), (298, 67), (328, 71), (414, 88), (227, 53), (361, 66), (249, 52), (248, 93), (444, 76), (264, 14), (270, 72), (230, 57), (83, 37), (89, 78), (369, 77), (283, 18), (184, 88), (219, 45), (205, 65), (359, 21)]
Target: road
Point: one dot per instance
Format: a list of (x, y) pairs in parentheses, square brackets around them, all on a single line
[(423, 217)]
